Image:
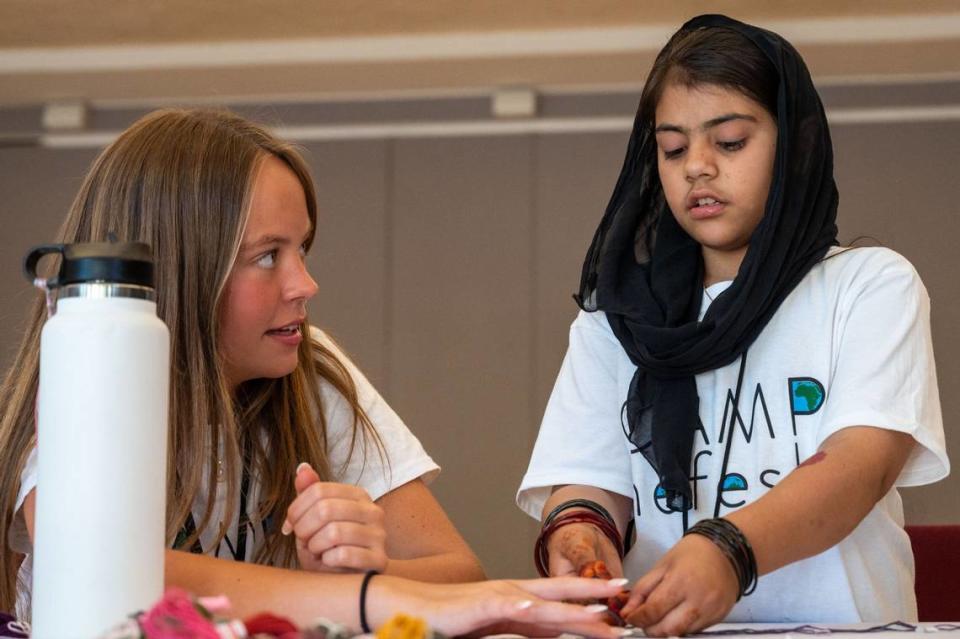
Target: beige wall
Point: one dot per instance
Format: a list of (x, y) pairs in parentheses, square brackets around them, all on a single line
[(446, 267)]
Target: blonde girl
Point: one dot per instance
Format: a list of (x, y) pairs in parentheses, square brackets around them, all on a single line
[(281, 452)]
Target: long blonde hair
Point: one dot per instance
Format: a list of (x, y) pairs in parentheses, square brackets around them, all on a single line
[(180, 180)]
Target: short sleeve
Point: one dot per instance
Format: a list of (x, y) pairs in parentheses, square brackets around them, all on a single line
[(581, 440), (403, 457), (884, 373), (18, 534)]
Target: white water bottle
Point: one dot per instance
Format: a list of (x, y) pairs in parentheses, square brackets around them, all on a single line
[(101, 440)]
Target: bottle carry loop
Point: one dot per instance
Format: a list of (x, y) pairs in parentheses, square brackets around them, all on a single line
[(30, 263)]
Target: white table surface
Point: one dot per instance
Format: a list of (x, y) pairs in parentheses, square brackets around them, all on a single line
[(929, 630)]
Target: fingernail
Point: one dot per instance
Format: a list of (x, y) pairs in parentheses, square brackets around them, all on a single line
[(301, 467), (286, 529), (218, 603), (523, 605), (594, 608), (618, 582)]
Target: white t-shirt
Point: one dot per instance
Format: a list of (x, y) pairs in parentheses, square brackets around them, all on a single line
[(849, 346), (406, 460)]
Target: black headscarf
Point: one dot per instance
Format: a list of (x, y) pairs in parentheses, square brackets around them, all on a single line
[(646, 273)]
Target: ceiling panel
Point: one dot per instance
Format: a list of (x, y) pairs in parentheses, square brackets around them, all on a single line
[(160, 51), (55, 23)]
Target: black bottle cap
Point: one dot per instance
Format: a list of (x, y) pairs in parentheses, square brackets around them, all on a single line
[(113, 262)]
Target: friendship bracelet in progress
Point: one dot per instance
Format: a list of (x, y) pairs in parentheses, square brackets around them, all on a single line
[(363, 599), (555, 521), (734, 545)]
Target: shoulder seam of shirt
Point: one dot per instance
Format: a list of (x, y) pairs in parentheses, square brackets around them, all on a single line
[(607, 334)]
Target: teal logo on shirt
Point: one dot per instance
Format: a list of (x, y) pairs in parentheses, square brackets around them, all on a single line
[(806, 395), (734, 481)]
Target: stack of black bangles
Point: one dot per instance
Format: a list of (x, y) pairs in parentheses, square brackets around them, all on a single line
[(734, 545), (592, 513)]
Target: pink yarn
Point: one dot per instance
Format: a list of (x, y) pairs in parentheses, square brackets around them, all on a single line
[(176, 616)]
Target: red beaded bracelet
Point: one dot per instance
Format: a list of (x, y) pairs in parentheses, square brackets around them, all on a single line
[(607, 527)]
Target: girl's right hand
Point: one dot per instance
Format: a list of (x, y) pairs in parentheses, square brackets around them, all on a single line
[(532, 608), (338, 527), (573, 545)]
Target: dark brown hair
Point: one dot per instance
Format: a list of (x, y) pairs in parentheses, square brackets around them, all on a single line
[(718, 56)]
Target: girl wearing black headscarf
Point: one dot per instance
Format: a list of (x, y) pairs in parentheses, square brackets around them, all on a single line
[(733, 373)]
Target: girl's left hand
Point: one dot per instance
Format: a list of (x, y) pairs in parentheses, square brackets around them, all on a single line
[(692, 586), (338, 527), (530, 608)]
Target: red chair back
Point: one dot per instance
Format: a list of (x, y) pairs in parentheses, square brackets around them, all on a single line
[(936, 550)]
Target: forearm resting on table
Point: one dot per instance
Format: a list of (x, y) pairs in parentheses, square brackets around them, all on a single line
[(452, 567), (618, 506), (300, 596), (821, 501)]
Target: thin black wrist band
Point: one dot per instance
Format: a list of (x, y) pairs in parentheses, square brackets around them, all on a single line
[(367, 576)]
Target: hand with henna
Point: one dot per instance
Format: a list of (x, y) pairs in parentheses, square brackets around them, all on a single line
[(576, 545)]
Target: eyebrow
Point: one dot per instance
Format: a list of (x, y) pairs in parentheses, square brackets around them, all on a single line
[(268, 240), (727, 117)]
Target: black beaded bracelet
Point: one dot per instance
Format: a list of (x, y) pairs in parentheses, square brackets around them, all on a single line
[(735, 547), (363, 599)]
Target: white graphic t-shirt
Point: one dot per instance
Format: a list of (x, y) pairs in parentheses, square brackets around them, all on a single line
[(849, 346)]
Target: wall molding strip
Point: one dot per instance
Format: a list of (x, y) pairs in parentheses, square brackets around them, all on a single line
[(543, 126), (452, 46)]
